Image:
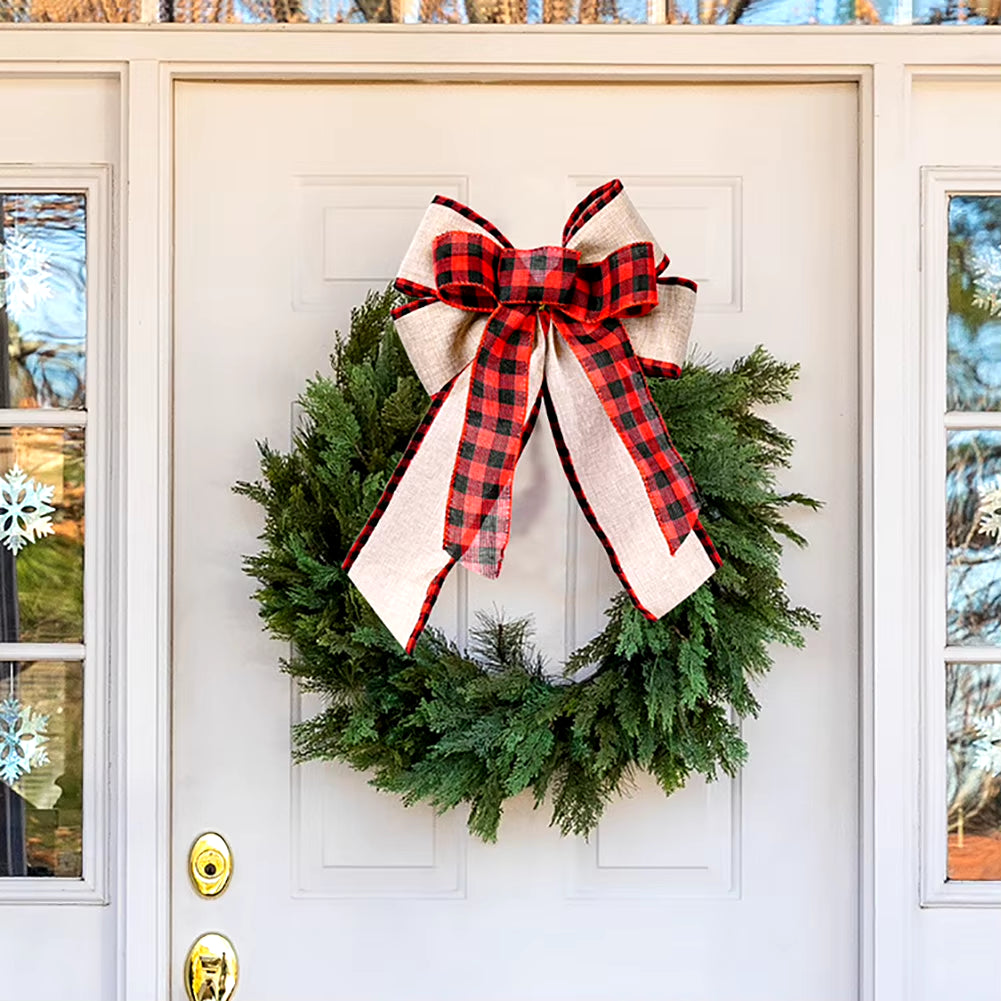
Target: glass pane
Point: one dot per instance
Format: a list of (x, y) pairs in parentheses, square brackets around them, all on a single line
[(749, 12), (43, 319), (41, 534), (973, 522), (974, 321), (41, 769), (973, 708), (69, 10)]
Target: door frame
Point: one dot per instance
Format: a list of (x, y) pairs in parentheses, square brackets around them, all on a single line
[(146, 62)]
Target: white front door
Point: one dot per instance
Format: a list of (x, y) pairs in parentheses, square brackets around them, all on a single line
[(291, 201)]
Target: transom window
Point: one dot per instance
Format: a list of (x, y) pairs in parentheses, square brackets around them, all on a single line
[(723, 12)]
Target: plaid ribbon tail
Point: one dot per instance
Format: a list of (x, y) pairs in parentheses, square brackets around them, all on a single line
[(612, 495), (397, 562), (616, 377), (478, 520)]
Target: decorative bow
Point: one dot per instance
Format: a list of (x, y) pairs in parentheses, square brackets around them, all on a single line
[(492, 331)]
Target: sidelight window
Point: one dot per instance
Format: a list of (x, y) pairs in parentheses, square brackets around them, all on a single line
[(962, 455), (50, 721), (973, 536)]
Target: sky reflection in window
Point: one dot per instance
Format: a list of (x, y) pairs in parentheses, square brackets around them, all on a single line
[(43, 289), (974, 321)]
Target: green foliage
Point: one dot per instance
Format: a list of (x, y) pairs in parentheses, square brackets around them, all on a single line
[(452, 727), (50, 589)]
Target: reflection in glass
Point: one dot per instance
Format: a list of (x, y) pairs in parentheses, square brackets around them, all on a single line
[(41, 811), (973, 708), (974, 321), (43, 277), (41, 534), (973, 479), (104, 11), (749, 12)]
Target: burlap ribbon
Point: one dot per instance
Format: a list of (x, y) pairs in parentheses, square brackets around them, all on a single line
[(494, 331)]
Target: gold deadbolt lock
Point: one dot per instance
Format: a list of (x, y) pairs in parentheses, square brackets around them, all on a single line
[(211, 969), (210, 864)]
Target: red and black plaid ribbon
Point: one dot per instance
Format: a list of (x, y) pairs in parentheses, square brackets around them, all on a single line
[(526, 290)]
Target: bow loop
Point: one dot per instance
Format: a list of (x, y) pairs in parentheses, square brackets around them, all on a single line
[(623, 284), (465, 270)]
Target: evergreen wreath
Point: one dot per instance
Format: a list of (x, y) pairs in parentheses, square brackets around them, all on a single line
[(477, 726)]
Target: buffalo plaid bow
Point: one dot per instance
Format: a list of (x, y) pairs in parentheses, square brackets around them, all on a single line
[(514, 324), (519, 289)]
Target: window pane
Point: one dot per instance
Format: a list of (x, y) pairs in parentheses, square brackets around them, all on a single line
[(974, 321), (740, 12), (749, 12), (69, 10), (966, 13), (43, 278), (973, 520), (973, 708), (41, 534), (41, 769)]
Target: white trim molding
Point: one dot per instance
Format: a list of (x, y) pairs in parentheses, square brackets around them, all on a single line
[(94, 181), (143, 772), (938, 185)]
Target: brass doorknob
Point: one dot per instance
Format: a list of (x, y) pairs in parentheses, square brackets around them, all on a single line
[(211, 969)]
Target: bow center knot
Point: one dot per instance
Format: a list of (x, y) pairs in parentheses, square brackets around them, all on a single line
[(543, 276), (474, 273)]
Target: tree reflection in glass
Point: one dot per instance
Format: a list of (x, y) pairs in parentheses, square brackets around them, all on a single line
[(973, 707), (974, 321), (47, 800), (43, 281), (723, 12), (43, 592), (973, 477)]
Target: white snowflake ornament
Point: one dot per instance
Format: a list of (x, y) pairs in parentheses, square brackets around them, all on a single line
[(986, 748), (23, 740), (989, 509), (25, 275), (987, 280), (24, 510)]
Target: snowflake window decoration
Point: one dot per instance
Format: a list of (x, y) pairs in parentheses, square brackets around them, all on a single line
[(25, 275), (987, 281), (990, 511), (986, 748), (24, 510), (23, 740)]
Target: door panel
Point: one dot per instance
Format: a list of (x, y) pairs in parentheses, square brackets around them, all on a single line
[(292, 201)]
